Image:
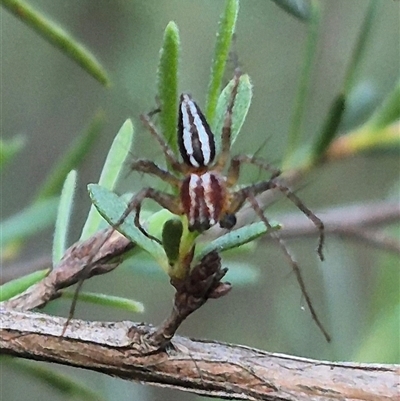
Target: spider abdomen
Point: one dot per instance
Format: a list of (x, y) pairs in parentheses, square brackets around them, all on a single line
[(204, 199)]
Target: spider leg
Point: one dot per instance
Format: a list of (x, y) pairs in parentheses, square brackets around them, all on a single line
[(149, 167), (236, 161), (240, 196), (169, 155), (165, 200), (227, 127), (292, 262), (310, 215)]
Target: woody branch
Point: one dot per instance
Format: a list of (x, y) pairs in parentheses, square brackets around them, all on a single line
[(204, 367)]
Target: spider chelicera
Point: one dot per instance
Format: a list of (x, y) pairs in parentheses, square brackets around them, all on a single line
[(206, 195)]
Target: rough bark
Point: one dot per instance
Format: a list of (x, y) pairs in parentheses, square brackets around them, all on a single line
[(199, 366)]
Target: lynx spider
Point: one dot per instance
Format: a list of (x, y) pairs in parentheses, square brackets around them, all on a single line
[(205, 193)]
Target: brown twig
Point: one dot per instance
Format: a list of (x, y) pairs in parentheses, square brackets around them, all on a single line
[(203, 367), (357, 222), (68, 272), (192, 292), (377, 239), (341, 218)]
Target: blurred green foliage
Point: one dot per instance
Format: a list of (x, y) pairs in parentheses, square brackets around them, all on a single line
[(300, 85)]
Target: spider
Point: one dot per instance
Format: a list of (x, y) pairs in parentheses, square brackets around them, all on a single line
[(207, 196)]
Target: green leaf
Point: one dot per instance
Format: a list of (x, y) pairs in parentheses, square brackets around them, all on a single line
[(240, 109), (112, 208), (360, 47), (19, 285), (70, 387), (304, 85), (167, 74), (225, 33), (235, 238), (29, 221), (63, 217), (330, 128), (9, 148), (336, 112), (107, 300), (388, 112), (300, 9), (361, 102), (111, 170), (56, 36), (71, 159), (171, 238)]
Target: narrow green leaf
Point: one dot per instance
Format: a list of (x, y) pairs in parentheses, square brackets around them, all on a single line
[(71, 159), (235, 238), (19, 285), (167, 74), (107, 300), (388, 112), (329, 129), (56, 36), (361, 46), (29, 221), (63, 217), (112, 208), (360, 104), (336, 112), (300, 9), (171, 238), (9, 148), (111, 170), (240, 109), (304, 85), (70, 387), (225, 33)]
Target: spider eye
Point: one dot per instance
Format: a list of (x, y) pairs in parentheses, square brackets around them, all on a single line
[(228, 221), (195, 139)]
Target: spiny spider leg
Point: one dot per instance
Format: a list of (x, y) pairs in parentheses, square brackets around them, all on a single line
[(311, 216), (169, 154), (240, 196), (253, 201), (236, 161), (149, 167), (165, 200)]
